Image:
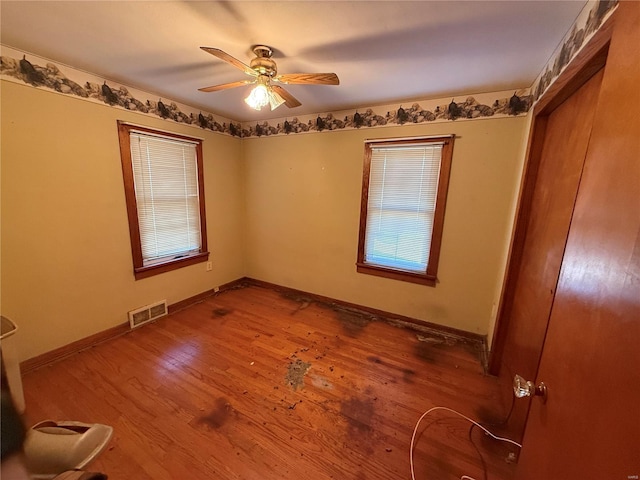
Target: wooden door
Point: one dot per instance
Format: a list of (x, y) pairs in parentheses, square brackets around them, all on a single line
[(590, 424), (567, 131)]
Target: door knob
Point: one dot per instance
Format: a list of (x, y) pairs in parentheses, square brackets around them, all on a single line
[(526, 388)]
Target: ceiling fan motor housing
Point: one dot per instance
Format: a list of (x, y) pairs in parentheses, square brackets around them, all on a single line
[(263, 63)]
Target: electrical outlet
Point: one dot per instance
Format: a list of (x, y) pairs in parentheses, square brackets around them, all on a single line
[(209, 266)]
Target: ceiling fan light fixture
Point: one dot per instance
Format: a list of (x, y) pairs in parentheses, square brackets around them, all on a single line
[(275, 100), (263, 69), (259, 97)]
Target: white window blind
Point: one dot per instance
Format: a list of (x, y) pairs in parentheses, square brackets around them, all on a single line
[(166, 185), (403, 186)]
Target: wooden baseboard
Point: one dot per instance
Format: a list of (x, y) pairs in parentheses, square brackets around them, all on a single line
[(113, 332), (182, 304), (400, 320), (73, 347)]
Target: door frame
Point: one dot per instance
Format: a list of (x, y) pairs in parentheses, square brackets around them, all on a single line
[(586, 63)]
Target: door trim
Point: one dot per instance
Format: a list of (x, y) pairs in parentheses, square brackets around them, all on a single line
[(586, 64)]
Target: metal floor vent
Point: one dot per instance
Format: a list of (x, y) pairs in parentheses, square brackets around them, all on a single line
[(147, 313)]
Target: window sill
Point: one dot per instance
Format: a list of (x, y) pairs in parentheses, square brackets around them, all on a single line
[(151, 270), (420, 278)]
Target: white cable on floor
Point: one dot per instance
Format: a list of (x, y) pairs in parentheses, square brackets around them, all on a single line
[(415, 430)]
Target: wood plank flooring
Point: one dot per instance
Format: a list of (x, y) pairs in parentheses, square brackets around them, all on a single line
[(255, 384)]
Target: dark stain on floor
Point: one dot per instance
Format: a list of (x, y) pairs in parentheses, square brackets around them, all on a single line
[(221, 412), (352, 322), (302, 301), (407, 373), (429, 348), (296, 297), (296, 372), (488, 417), (426, 351), (221, 312), (359, 414)]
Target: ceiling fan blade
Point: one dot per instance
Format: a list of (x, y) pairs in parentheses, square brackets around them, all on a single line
[(289, 100), (309, 78), (224, 86), (216, 52)]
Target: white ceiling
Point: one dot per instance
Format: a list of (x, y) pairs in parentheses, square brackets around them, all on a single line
[(384, 52)]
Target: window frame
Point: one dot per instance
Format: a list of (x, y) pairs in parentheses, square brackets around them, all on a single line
[(140, 270), (430, 275)]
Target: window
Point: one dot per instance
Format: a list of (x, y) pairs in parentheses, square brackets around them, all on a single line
[(164, 190), (404, 190)]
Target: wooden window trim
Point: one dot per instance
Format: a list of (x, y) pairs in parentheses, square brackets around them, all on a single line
[(430, 276), (140, 270)]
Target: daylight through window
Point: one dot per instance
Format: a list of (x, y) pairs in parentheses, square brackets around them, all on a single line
[(163, 183), (404, 191)]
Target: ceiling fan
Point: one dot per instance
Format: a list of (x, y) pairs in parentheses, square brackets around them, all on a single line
[(264, 71)]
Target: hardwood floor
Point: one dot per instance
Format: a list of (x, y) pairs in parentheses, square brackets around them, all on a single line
[(256, 384)]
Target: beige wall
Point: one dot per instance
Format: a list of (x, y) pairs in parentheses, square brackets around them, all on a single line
[(303, 208), (280, 209), (508, 237), (66, 256)]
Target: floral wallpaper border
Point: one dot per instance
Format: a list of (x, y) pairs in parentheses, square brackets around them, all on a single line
[(38, 72), (471, 108), (588, 22), (41, 73)]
